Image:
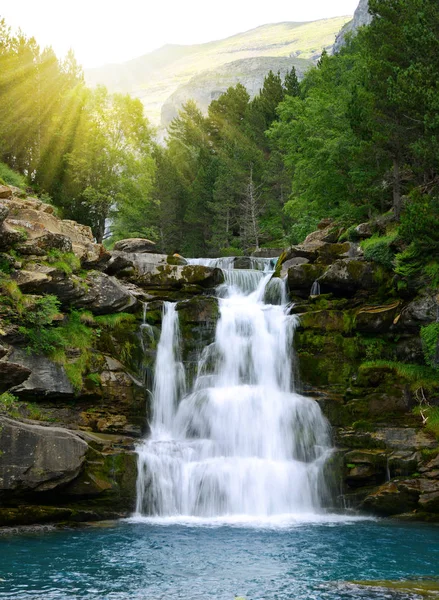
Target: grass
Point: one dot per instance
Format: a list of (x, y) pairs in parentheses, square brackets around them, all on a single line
[(67, 262), (418, 376), (10, 177)]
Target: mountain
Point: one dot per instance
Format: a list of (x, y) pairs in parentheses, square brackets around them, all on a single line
[(361, 17), (155, 76)]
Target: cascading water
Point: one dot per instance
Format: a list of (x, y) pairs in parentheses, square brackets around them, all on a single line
[(241, 442)]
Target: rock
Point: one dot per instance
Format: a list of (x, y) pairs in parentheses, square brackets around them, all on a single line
[(105, 294), (347, 276), (98, 292), (393, 498), (292, 262), (43, 244), (429, 500), (363, 231), (324, 320), (5, 191), (361, 17), (242, 262), (12, 374), (4, 211), (267, 252), (135, 245), (37, 219), (175, 277), (47, 380), (120, 263), (9, 236), (301, 277), (35, 458), (201, 309), (421, 311), (376, 319), (176, 259)]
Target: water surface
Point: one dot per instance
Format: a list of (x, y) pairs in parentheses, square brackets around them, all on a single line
[(169, 560)]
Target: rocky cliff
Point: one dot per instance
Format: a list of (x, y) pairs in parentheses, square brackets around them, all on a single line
[(361, 17), (79, 327)]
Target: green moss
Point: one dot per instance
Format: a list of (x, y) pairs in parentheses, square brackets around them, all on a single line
[(430, 343), (417, 376), (67, 262)]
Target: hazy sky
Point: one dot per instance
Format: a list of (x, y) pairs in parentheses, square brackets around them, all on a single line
[(103, 31)]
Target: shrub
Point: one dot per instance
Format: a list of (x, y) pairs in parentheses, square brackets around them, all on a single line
[(11, 177)]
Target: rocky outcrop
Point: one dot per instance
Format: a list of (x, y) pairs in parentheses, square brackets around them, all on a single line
[(135, 245), (361, 17), (45, 379), (12, 374), (37, 459)]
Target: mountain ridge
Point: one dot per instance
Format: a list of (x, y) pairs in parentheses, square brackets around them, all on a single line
[(155, 76)]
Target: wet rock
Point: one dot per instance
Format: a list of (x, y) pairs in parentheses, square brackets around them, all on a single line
[(35, 458), (292, 262), (347, 276), (202, 309), (376, 319), (301, 277), (324, 320), (393, 498), (175, 277), (136, 245), (11, 375), (242, 262)]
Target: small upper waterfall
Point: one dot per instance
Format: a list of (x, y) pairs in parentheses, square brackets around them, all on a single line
[(241, 441)]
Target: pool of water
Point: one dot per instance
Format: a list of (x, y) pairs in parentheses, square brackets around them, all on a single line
[(283, 559)]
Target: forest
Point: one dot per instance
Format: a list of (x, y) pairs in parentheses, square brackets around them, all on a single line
[(357, 139)]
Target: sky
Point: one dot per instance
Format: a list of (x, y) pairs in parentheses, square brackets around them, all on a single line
[(107, 31)]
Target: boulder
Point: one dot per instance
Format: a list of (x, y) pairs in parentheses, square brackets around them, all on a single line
[(37, 219), (393, 498), (35, 458), (421, 311), (9, 236), (12, 374), (5, 191), (292, 262), (324, 320), (201, 309), (347, 276), (175, 277), (47, 379), (98, 292), (363, 231), (242, 262), (105, 294), (135, 245), (301, 277)]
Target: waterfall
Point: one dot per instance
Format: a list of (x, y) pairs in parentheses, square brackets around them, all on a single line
[(315, 289), (241, 442)]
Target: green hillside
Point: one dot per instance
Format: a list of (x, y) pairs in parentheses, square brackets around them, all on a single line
[(155, 76)]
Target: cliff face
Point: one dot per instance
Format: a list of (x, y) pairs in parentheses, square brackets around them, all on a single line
[(361, 17), (79, 328), (211, 84)]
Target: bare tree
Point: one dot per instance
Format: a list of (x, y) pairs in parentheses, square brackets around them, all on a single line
[(251, 209)]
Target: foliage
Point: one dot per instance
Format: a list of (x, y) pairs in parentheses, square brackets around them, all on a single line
[(417, 375), (430, 343), (379, 249), (11, 177), (67, 262)]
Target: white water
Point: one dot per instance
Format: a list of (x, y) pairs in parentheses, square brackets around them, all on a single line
[(242, 442)]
